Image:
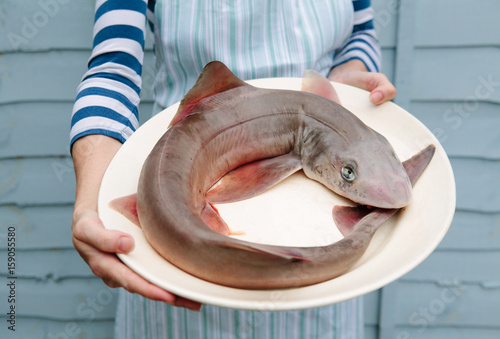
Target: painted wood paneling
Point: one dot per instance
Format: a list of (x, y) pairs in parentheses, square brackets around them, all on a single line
[(477, 192), (47, 25), (425, 305), (465, 129), (446, 332), (37, 328), (465, 74), (57, 264), (386, 15), (70, 299), (448, 23), (477, 267), (25, 76), (39, 227), (473, 231), (34, 129), (29, 181), (44, 24), (447, 73)]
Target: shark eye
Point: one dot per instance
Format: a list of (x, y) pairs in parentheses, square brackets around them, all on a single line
[(348, 173)]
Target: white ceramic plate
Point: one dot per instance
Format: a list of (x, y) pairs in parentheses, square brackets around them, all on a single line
[(297, 212)]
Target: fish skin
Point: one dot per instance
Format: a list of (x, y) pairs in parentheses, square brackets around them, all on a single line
[(240, 125)]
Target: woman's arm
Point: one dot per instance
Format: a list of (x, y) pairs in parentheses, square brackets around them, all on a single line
[(362, 44), (105, 114), (358, 61), (108, 96), (96, 245)]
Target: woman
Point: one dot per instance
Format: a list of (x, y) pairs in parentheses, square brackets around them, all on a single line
[(255, 39)]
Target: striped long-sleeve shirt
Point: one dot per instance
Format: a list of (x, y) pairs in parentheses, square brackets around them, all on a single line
[(256, 38)]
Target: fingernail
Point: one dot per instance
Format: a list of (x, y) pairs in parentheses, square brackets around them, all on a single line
[(376, 97), (125, 245)]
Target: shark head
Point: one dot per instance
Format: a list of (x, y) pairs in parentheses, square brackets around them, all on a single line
[(367, 172), (357, 163)]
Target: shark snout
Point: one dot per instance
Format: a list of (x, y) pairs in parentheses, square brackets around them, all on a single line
[(395, 195)]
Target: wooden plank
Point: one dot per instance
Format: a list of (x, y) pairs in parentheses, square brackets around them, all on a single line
[(385, 19), (477, 193), (447, 332), (404, 52), (69, 299), (47, 265), (456, 125), (466, 266), (37, 181), (387, 308), (425, 305), (468, 75), (371, 332), (371, 307), (46, 122), (38, 328), (48, 24), (456, 23), (37, 227), (45, 76), (473, 231), (48, 76), (388, 61)]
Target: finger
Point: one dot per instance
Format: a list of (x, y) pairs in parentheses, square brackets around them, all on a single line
[(116, 274), (380, 88), (382, 93), (88, 228)]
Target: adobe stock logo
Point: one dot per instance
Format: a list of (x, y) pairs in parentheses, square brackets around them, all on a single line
[(31, 25)]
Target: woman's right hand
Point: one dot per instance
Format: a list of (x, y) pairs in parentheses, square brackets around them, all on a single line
[(97, 245)]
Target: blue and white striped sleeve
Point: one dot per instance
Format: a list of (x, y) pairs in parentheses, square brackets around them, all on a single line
[(108, 97), (363, 43)]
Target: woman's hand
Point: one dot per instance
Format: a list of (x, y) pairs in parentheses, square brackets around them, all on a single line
[(354, 73), (97, 245)]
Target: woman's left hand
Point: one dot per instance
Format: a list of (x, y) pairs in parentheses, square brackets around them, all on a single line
[(354, 73)]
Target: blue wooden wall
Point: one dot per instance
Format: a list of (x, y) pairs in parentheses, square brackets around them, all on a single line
[(443, 56)]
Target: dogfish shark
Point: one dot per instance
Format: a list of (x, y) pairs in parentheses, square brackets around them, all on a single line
[(230, 141)]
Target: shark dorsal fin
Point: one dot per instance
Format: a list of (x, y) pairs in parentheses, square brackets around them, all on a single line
[(215, 78), (315, 83)]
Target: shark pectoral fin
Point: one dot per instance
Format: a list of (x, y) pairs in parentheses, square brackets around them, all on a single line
[(251, 179), (346, 217), (213, 220), (127, 206), (287, 253), (315, 83)]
